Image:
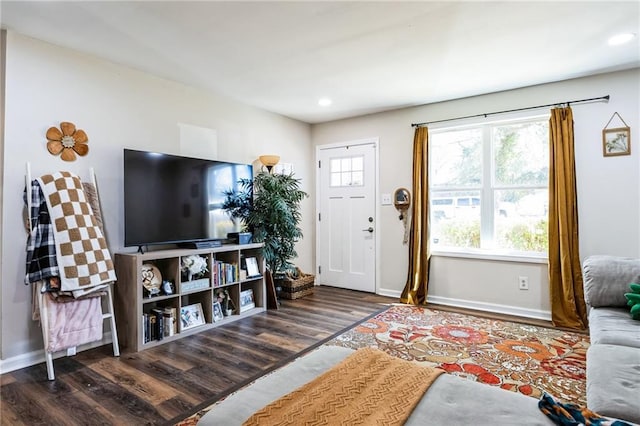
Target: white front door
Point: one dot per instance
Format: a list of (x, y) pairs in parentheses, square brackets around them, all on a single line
[(346, 217)]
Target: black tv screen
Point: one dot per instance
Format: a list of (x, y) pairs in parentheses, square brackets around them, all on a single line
[(174, 199)]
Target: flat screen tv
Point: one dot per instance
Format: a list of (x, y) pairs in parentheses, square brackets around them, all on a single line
[(174, 199)]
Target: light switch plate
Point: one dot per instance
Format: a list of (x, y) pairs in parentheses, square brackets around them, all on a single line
[(386, 199)]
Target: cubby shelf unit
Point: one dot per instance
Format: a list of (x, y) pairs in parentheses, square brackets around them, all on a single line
[(131, 303)]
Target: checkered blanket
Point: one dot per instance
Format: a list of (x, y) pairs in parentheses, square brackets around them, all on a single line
[(81, 249)]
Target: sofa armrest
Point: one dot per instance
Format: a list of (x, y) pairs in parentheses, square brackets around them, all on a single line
[(607, 278)]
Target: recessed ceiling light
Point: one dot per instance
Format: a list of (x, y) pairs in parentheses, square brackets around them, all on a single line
[(324, 102), (621, 39)]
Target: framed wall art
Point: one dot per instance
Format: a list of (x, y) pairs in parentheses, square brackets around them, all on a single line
[(616, 141)]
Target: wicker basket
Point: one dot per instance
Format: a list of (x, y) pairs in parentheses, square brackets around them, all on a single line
[(295, 286)]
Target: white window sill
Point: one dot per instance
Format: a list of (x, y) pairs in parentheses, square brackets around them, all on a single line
[(491, 255)]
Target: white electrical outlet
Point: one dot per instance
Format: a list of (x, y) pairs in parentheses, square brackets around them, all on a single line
[(523, 283)]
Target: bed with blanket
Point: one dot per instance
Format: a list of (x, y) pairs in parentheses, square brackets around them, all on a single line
[(445, 399)]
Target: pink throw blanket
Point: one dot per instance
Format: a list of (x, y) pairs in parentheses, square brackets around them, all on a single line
[(72, 323)]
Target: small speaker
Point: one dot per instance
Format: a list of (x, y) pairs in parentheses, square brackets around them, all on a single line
[(240, 237)]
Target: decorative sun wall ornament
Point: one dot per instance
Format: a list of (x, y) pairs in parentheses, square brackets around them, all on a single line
[(67, 142)]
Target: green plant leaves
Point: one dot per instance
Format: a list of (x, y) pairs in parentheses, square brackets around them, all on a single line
[(269, 206)]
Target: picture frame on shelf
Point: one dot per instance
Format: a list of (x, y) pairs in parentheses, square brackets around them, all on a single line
[(246, 300), (252, 267), (191, 316), (218, 315)]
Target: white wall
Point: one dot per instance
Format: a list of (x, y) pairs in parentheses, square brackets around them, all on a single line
[(118, 107), (609, 206)]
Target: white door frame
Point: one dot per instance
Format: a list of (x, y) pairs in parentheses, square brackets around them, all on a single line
[(376, 143)]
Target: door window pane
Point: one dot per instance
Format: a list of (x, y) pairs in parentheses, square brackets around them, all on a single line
[(347, 171)]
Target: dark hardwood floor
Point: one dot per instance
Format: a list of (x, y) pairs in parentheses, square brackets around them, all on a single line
[(163, 384)]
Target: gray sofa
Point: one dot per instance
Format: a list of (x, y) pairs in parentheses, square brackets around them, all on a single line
[(450, 400), (613, 359)]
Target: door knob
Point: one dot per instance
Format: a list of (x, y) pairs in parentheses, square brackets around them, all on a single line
[(369, 229)]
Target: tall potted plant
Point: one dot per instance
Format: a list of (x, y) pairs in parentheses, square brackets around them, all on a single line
[(269, 208)]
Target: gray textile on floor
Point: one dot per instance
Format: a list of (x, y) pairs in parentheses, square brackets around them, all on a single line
[(450, 399)]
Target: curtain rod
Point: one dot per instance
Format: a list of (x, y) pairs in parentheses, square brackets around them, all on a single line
[(513, 110)]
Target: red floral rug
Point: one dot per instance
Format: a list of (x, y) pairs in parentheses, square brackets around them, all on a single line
[(517, 357)]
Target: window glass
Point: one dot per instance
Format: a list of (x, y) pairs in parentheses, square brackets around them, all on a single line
[(347, 171), (459, 154), (345, 164), (521, 154), (346, 179), (357, 178), (521, 220), (455, 219), (499, 206), (357, 163)]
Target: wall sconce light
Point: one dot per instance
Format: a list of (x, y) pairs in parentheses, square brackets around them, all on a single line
[(269, 161)]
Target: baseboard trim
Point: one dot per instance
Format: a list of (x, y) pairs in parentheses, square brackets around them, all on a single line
[(491, 307), (37, 357), (479, 306), (390, 293)]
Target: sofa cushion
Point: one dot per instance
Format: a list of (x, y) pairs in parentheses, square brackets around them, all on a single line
[(613, 326), (613, 381), (607, 278)]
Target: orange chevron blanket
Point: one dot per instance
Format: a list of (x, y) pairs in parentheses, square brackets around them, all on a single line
[(367, 388)]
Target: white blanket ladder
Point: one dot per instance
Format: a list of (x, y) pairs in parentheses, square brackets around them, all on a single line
[(109, 315)]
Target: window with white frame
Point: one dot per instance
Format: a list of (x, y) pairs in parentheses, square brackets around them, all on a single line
[(489, 187), (347, 171)]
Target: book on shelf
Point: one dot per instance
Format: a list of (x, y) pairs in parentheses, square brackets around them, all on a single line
[(158, 324), (225, 273), (145, 326), (152, 327), (159, 328), (169, 320)]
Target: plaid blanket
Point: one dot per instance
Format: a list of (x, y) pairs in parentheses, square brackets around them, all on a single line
[(83, 258), (41, 248)]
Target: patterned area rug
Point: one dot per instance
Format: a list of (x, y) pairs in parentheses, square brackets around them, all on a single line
[(516, 357)]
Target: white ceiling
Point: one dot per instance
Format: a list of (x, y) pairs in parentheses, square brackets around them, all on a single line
[(365, 56)]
